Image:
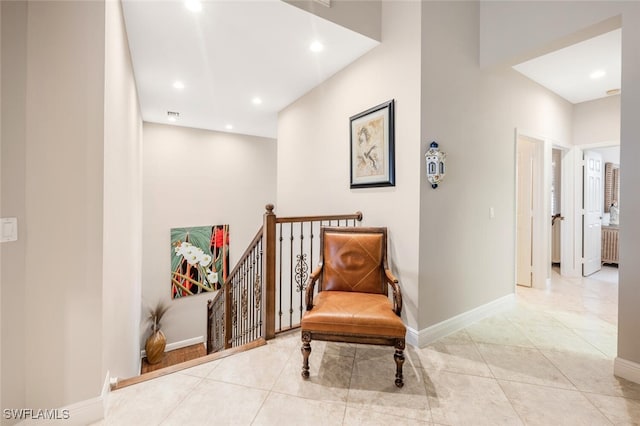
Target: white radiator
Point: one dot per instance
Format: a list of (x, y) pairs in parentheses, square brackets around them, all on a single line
[(609, 244)]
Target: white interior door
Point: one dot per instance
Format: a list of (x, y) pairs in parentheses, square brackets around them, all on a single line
[(593, 209), (524, 213)]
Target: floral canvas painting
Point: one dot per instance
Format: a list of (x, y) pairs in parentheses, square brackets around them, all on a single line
[(199, 259)]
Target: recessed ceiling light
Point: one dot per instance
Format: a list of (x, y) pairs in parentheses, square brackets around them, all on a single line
[(228, 127), (316, 46), (178, 85), (597, 74), (193, 5), (172, 116), (256, 101)]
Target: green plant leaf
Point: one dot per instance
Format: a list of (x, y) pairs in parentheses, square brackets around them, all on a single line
[(175, 260), (199, 236)]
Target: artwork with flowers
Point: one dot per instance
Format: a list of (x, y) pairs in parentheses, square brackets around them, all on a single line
[(199, 259)]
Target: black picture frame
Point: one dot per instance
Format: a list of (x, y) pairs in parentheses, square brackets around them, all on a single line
[(372, 147)]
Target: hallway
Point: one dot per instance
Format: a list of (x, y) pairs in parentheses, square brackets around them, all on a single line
[(547, 360)]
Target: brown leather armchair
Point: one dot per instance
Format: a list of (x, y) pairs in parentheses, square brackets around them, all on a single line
[(352, 303)]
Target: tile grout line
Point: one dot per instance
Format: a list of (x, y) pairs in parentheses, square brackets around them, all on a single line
[(171, 411), (497, 381), (270, 391)]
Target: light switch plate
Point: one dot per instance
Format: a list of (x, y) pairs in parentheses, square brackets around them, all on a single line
[(9, 229)]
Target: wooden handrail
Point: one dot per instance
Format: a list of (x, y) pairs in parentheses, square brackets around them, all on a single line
[(357, 216)]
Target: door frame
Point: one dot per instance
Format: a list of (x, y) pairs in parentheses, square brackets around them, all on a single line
[(579, 153), (571, 199)]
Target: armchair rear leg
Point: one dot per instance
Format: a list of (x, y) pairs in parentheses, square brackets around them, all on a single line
[(399, 358), (306, 351)]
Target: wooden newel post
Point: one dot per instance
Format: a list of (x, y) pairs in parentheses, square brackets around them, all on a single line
[(269, 258)]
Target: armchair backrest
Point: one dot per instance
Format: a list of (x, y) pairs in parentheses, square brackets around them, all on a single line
[(353, 259)]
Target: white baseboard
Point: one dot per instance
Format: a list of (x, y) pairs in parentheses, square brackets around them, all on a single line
[(430, 334), (80, 413), (626, 369), (178, 345)]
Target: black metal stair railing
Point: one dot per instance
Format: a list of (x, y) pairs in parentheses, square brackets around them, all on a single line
[(298, 249), (264, 293)]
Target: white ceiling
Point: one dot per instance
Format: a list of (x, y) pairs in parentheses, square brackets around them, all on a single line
[(226, 55), (567, 71)]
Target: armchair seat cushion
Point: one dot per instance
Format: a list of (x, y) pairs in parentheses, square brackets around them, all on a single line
[(343, 312)]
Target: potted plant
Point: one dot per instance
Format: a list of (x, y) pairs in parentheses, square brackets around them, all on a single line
[(156, 342)]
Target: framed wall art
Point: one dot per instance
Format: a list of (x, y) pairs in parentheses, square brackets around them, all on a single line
[(199, 259), (372, 147)]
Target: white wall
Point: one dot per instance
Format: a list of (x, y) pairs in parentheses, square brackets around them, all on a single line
[(359, 16), (313, 144), (194, 178), (467, 258), (504, 39), (609, 155), (63, 202), (629, 294), (122, 234), (512, 32), (14, 72), (597, 121)]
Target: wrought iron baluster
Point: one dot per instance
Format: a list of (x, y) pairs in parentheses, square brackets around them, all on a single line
[(250, 317), (238, 303), (235, 311), (301, 268), (261, 287), (245, 271), (252, 295), (245, 300), (291, 276), (280, 279), (241, 303), (311, 264)]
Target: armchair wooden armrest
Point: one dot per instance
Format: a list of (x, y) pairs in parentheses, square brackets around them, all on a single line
[(397, 294), (311, 283)]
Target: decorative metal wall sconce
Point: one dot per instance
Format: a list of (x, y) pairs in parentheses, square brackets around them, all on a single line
[(435, 164)]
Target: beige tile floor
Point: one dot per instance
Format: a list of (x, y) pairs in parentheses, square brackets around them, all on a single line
[(546, 361)]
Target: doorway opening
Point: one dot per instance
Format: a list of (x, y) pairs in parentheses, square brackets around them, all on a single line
[(601, 204)]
